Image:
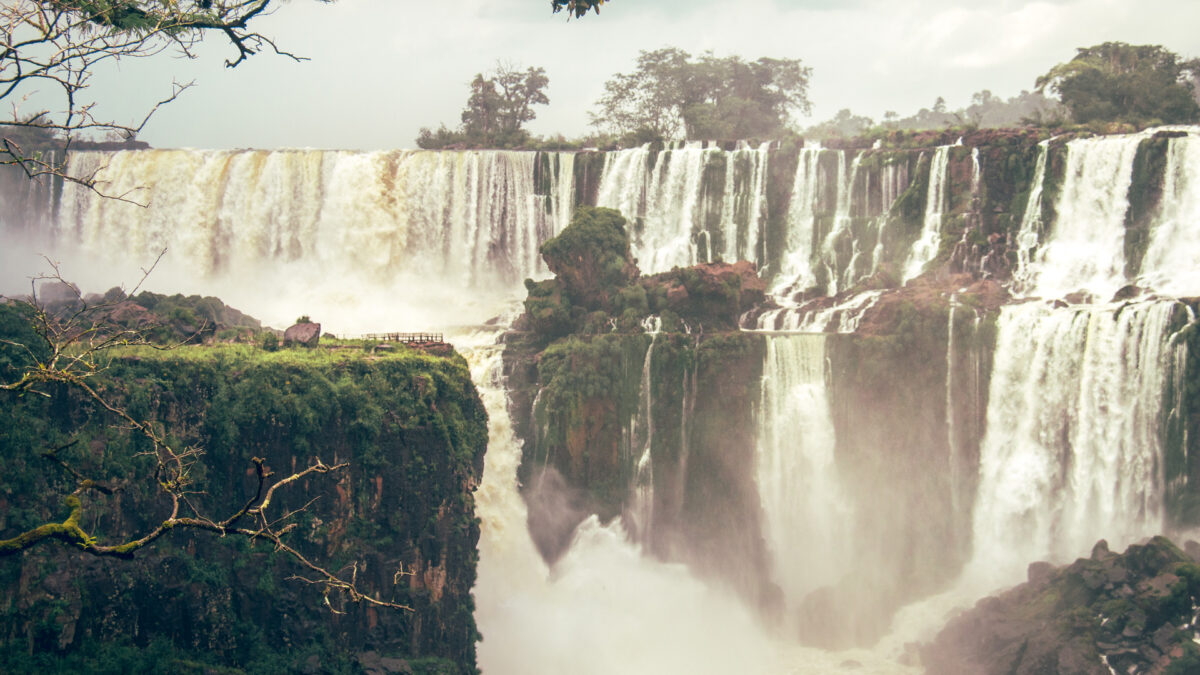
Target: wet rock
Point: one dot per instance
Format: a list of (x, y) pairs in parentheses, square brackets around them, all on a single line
[(1039, 570), (1192, 548), (1082, 618)]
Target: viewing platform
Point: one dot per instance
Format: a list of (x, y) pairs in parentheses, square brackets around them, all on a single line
[(410, 338)]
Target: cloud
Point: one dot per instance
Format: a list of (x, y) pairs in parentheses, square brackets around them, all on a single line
[(381, 69)]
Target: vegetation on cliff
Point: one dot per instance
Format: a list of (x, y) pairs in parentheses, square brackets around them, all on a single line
[(597, 288), (398, 520)]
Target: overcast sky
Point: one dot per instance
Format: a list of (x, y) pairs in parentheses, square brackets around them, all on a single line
[(381, 69)]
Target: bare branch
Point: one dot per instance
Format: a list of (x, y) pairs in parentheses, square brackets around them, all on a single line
[(75, 343)]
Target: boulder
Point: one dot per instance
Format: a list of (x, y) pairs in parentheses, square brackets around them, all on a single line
[(303, 335)]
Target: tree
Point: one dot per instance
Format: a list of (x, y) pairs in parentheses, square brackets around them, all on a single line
[(499, 106), (59, 44), (707, 97), (576, 8), (845, 124), (1119, 82)]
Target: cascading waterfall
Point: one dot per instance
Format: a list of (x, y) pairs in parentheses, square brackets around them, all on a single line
[(894, 182), (468, 216), (926, 246), (843, 317), (952, 460), (1030, 231), (1072, 449), (676, 208), (1086, 251), (841, 224), (796, 273), (806, 514), (424, 226), (1170, 262), (604, 607), (642, 511)]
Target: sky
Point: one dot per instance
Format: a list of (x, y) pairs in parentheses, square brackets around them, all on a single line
[(379, 70)]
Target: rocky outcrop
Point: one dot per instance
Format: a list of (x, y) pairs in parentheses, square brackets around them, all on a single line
[(306, 334), (587, 383), (1135, 612), (400, 519)]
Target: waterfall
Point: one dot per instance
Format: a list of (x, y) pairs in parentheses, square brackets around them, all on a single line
[(1170, 265), (642, 509), (677, 209), (841, 224), (604, 607), (1086, 250), (796, 273), (952, 460), (1031, 221), (806, 513), (346, 232), (892, 184), (1072, 448), (926, 247)]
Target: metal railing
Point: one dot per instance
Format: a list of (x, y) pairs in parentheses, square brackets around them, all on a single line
[(412, 338)]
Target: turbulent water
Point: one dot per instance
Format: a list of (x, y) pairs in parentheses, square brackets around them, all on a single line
[(807, 514), (677, 217), (1071, 450)]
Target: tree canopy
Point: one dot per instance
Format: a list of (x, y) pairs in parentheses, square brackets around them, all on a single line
[(1119, 82), (576, 8), (704, 97), (499, 106), (55, 46)]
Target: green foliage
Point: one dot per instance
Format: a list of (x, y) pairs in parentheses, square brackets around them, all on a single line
[(591, 257), (497, 109), (710, 97), (576, 8), (1118, 82), (20, 345), (409, 423), (547, 308), (268, 341)]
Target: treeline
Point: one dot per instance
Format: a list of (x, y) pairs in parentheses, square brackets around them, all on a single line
[(673, 95)]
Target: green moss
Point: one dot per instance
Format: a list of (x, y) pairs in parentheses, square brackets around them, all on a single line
[(409, 423)]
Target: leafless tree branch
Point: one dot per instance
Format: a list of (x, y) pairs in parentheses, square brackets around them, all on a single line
[(75, 346)]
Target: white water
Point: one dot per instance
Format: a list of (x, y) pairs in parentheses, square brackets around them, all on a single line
[(926, 246), (796, 272), (1171, 262), (642, 512), (1072, 450), (1031, 221), (604, 607), (806, 513), (842, 317), (1086, 251), (347, 236), (665, 197)]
